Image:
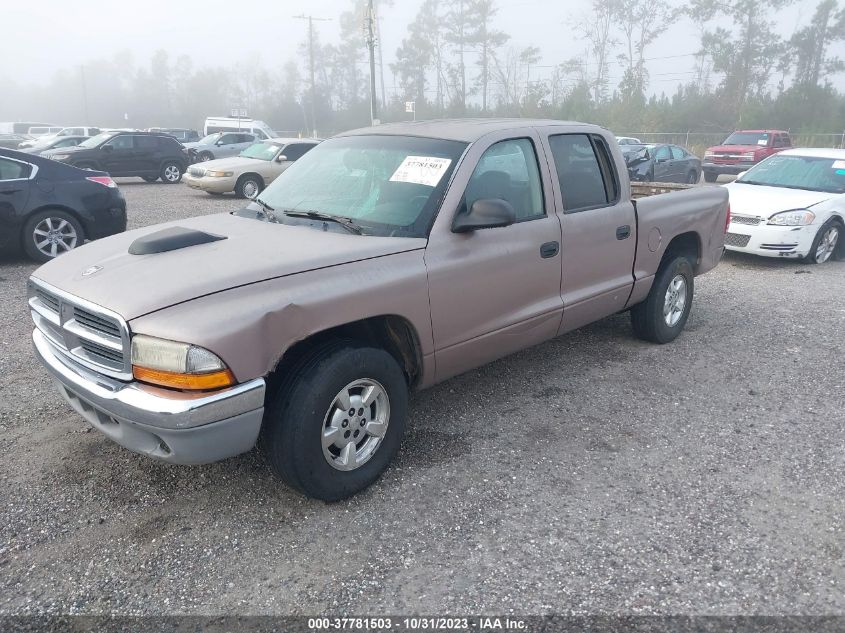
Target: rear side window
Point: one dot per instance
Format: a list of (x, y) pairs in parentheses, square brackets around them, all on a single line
[(584, 170), (296, 150), (245, 138), (12, 169), (678, 153), (146, 143)]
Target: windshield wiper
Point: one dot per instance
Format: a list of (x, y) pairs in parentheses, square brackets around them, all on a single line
[(266, 210), (348, 223)]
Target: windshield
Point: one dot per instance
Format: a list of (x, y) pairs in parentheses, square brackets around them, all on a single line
[(748, 138), (94, 141), (798, 172), (211, 138), (389, 185), (262, 151)]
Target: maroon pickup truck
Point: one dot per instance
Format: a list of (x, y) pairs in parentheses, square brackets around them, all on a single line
[(384, 260), (742, 150)]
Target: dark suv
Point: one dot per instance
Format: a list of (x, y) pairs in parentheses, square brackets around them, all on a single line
[(148, 155)]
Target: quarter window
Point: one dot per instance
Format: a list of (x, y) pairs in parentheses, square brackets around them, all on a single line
[(584, 170), (13, 170), (508, 171)]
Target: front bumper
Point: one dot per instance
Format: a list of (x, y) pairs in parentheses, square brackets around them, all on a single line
[(721, 168), (214, 185), (177, 427), (792, 242)]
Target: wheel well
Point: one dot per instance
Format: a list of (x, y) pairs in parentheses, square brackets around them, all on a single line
[(57, 207), (392, 333), (684, 245)]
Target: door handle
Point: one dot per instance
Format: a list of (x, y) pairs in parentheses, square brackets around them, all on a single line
[(549, 249), (623, 232)]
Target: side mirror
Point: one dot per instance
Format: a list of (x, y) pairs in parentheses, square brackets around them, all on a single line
[(218, 143), (281, 158), (485, 214)]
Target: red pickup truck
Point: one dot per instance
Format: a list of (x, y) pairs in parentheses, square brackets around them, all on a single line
[(741, 150)]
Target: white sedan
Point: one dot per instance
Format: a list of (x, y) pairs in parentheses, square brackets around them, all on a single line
[(791, 205)]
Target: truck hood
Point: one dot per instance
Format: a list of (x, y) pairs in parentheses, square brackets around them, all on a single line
[(761, 201), (104, 272), (733, 149)]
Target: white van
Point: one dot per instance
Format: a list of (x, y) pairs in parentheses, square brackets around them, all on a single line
[(226, 124)]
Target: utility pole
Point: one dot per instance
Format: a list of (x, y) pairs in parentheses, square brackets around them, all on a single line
[(84, 92), (311, 19), (371, 45)]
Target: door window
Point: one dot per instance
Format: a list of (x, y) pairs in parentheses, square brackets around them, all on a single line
[(662, 153), (13, 170), (296, 150), (148, 143), (121, 142), (508, 171), (584, 170), (228, 139), (678, 153)]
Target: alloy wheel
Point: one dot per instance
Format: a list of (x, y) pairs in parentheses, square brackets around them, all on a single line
[(355, 424), (54, 236)]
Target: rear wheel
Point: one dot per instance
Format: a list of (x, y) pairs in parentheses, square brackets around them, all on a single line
[(337, 421), (662, 316), (205, 156), (48, 234), (825, 243), (171, 172), (249, 186), (710, 176), (692, 177)]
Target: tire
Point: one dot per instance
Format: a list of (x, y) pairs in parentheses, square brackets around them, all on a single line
[(649, 319), (304, 405), (150, 178), (205, 156), (171, 172), (692, 178), (827, 243), (67, 234), (249, 186), (710, 177)]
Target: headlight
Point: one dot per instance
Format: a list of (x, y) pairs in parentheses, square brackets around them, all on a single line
[(219, 174), (796, 217), (747, 156), (709, 154), (178, 365)]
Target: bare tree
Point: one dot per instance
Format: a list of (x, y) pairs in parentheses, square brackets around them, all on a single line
[(596, 27)]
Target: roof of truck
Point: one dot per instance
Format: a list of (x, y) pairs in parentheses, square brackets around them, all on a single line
[(467, 130)]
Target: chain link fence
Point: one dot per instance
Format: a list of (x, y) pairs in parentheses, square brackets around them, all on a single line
[(698, 142)]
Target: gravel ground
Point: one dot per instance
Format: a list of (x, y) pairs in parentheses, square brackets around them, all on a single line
[(592, 474)]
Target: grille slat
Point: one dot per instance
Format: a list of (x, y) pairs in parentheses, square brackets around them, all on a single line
[(736, 239), (96, 350), (47, 300), (96, 322)]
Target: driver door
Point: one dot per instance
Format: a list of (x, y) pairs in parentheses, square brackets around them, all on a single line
[(497, 290)]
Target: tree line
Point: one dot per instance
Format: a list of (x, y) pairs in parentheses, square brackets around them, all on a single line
[(456, 59)]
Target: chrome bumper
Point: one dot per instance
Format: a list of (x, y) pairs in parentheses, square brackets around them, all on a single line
[(173, 426)]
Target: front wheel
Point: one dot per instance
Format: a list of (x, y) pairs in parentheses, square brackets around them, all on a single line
[(662, 316), (48, 234), (249, 186), (171, 173), (337, 421), (825, 243)]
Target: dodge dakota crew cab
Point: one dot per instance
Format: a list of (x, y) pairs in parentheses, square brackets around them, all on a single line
[(384, 260)]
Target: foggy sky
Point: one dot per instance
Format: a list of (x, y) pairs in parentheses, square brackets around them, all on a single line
[(42, 37)]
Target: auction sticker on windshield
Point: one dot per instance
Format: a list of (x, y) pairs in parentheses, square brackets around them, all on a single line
[(421, 170)]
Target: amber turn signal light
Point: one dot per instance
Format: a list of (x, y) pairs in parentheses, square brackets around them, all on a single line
[(193, 382)]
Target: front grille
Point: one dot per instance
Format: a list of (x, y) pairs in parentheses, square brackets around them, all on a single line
[(88, 334), (106, 326), (736, 239), (197, 172), (744, 219)]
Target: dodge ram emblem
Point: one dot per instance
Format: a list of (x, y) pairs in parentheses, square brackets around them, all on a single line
[(90, 271)]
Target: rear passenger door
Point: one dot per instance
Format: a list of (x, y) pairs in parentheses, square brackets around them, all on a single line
[(148, 154), (599, 228)]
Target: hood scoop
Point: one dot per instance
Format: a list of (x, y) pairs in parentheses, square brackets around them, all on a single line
[(171, 239)]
